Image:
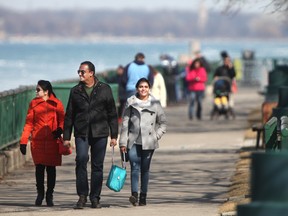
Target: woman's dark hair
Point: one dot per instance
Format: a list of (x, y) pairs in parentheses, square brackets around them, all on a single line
[(142, 80), (46, 86), (192, 66)]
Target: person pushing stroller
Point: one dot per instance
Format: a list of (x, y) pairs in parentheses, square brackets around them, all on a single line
[(223, 78)]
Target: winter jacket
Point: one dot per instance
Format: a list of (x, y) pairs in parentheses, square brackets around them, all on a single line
[(149, 121), (196, 79), (225, 71), (42, 119), (159, 89), (94, 116)]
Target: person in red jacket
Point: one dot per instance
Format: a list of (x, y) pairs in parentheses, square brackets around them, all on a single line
[(196, 78), (44, 123)]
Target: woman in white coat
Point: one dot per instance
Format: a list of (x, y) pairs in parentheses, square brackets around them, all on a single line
[(159, 88), (144, 123)]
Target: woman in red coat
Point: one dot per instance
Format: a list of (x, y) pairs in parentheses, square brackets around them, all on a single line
[(196, 78), (44, 123)]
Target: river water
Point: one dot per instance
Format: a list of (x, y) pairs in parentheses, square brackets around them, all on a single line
[(24, 63)]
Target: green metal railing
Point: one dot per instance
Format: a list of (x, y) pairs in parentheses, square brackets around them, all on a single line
[(14, 105), (13, 110), (62, 91), (284, 133), (270, 133), (276, 137)]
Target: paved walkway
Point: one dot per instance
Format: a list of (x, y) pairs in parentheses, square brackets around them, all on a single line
[(190, 171)]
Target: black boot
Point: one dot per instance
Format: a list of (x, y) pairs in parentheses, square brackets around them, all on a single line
[(96, 203), (40, 197), (81, 202), (142, 200), (133, 199), (51, 180), (49, 198), (39, 173)]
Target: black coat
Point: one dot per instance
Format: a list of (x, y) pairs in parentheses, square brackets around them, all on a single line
[(95, 116), (225, 71)]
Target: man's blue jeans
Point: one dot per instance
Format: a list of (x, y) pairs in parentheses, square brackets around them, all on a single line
[(140, 161), (98, 151)]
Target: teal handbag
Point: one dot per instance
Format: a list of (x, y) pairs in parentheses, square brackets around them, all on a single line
[(117, 175)]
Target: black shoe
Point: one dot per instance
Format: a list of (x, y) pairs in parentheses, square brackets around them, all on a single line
[(81, 202), (95, 203), (49, 200), (142, 200), (39, 199), (134, 198)]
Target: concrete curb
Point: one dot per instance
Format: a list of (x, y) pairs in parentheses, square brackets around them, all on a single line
[(11, 159), (232, 213)]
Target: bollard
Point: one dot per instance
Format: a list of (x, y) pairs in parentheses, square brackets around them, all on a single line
[(282, 96), (282, 107), (269, 188)]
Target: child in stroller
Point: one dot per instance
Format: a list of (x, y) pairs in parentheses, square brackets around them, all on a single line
[(221, 91)]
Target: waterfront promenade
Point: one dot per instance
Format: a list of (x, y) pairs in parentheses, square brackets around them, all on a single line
[(190, 172)]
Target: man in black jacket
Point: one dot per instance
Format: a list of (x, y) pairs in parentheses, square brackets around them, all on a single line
[(91, 112)]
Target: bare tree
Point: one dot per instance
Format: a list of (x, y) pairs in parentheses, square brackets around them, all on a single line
[(274, 6), (280, 5)]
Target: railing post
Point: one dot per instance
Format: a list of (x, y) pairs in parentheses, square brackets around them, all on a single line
[(270, 133), (284, 133)]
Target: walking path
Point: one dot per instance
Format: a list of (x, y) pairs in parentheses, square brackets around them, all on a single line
[(190, 172)]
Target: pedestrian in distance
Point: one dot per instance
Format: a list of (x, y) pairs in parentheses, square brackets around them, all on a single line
[(91, 112), (121, 90), (144, 123), (227, 70), (159, 88), (171, 76), (203, 60), (196, 78), (44, 123), (134, 71)]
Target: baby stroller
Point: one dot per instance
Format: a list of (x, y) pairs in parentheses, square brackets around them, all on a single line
[(221, 92)]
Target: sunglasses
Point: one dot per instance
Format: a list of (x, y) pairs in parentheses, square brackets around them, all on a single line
[(82, 72), (38, 89)]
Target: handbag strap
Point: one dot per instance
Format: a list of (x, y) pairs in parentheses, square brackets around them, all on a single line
[(123, 162)]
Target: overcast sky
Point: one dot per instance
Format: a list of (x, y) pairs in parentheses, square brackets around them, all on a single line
[(255, 6)]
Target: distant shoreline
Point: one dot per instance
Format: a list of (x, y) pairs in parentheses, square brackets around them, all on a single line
[(127, 39)]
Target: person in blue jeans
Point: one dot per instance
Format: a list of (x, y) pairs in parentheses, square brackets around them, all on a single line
[(144, 123), (91, 112), (196, 78)]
